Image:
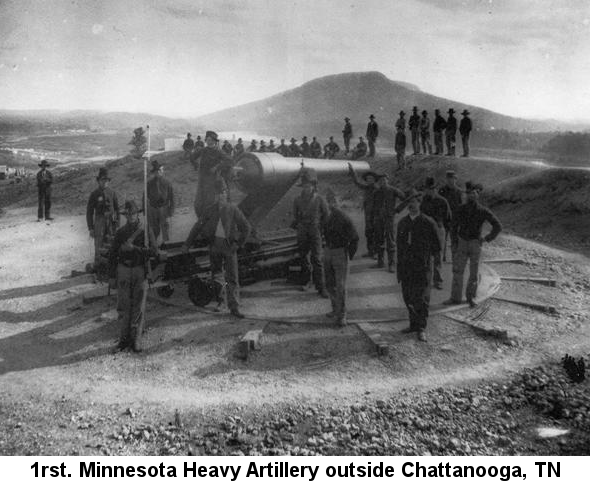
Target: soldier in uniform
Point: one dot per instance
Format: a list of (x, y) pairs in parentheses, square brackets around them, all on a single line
[(400, 148), (199, 144), (341, 245), (160, 197), (347, 135), (212, 165), (451, 133), (305, 148), (384, 210), (44, 182), (414, 126), (360, 150), (227, 148), (367, 186), (454, 197), (310, 212), (316, 148), (417, 242), (331, 149), (226, 229), (102, 214), (283, 149), (372, 134), (437, 208), (425, 133), (128, 264), (262, 147), (294, 148), (271, 146), (188, 146), (252, 147), (438, 127), (238, 149), (466, 229), (465, 128), (401, 122)]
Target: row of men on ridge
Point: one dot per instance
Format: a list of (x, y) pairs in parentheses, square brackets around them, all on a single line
[(420, 240)]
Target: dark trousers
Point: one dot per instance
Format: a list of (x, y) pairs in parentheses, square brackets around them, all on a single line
[(438, 143), (44, 207), (467, 250), (131, 284), (416, 141), (426, 147), (450, 137), (385, 237), (310, 251), (465, 142), (336, 268), (416, 294), (347, 144), (224, 269), (370, 233), (371, 142)]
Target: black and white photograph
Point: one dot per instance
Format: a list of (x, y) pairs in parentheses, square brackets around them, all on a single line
[(296, 228)]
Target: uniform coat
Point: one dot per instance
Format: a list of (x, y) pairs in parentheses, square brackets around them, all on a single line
[(212, 165)]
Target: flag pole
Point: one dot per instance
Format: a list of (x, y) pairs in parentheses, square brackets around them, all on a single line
[(145, 198)]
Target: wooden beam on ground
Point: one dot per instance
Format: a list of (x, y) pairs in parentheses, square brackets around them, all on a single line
[(249, 343), (539, 280), (545, 308), (491, 332), (507, 260)]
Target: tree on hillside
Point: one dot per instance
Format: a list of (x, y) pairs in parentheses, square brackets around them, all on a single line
[(570, 144), (139, 143)]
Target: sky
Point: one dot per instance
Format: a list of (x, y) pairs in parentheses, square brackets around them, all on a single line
[(528, 58)]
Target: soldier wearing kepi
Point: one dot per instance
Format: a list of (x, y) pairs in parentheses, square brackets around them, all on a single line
[(293, 148), (102, 215), (437, 208), (425, 133), (341, 245), (466, 229), (372, 134), (367, 186), (226, 229), (438, 127), (414, 126), (252, 147), (417, 242), (316, 148), (128, 263), (310, 212), (451, 133), (44, 182), (347, 135), (465, 128), (384, 210), (212, 165), (238, 149), (199, 144), (454, 197), (160, 196)]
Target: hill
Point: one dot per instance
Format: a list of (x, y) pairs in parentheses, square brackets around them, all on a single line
[(319, 106)]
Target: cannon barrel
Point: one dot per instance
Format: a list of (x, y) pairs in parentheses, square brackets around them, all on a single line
[(259, 170)]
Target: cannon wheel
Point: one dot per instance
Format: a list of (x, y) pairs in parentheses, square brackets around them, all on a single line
[(199, 292), (165, 291)]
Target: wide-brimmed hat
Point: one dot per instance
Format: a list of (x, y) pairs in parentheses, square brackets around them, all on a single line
[(451, 110), (293, 139), (103, 173), (371, 116), (402, 113), (429, 183), (156, 166), (346, 119), (304, 137), (471, 186), (424, 112), (212, 134), (44, 163), (189, 135), (308, 176), (130, 208), (414, 108), (450, 174), (371, 174), (465, 112)]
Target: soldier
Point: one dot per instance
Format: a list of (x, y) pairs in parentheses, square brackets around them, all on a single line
[(450, 133), (372, 134), (102, 214), (367, 186), (212, 165), (347, 135), (160, 197), (401, 121), (294, 148), (384, 210), (128, 265), (305, 148), (271, 146), (437, 208), (425, 133), (188, 146), (316, 148), (310, 212), (227, 148), (341, 244), (226, 229), (466, 230), (199, 144), (454, 196), (417, 242), (465, 128), (331, 149), (44, 182), (438, 128), (238, 149), (400, 148), (262, 147), (283, 149), (360, 150), (252, 147), (414, 126)]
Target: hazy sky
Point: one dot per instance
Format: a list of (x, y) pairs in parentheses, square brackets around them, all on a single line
[(188, 57)]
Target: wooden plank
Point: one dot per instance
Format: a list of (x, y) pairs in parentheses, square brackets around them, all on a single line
[(492, 332), (539, 280), (507, 260), (546, 308)]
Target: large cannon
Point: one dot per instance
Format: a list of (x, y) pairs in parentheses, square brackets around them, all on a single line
[(265, 178)]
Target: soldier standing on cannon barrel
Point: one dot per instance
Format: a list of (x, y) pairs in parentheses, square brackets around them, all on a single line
[(44, 182), (347, 135), (372, 134), (417, 242), (438, 127), (367, 186), (160, 196), (414, 126), (102, 215)]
